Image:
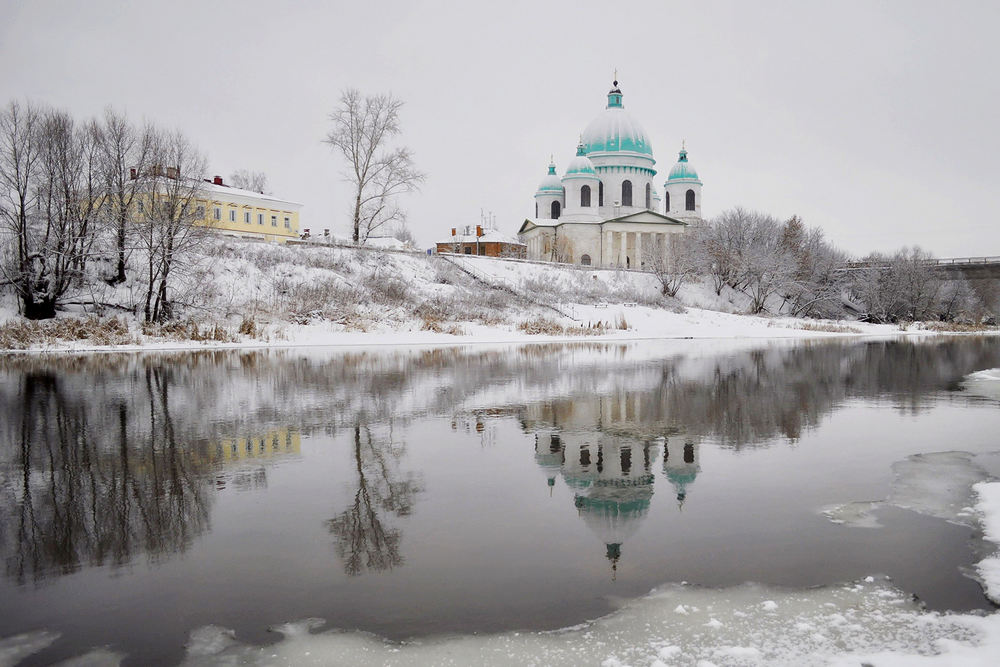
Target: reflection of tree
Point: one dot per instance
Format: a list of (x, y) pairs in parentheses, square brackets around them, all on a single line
[(364, 541), (86, 493)]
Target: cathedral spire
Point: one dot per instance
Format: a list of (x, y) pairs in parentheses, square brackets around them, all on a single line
[(615, 94)]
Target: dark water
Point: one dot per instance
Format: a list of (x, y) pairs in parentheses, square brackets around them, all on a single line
[(456, 490)]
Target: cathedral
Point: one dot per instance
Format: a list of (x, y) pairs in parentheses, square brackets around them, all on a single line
[(605, 210)]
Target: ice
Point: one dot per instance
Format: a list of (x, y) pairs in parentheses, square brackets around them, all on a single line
[(859, 619), (938, 484), (18, 647), (989, 510), (983, 383)]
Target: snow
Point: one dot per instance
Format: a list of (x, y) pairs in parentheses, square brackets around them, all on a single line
[(989, 511), (937, 484), (985, 383), (331, 290)]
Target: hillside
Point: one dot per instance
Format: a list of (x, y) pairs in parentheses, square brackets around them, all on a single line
[(242, 293)]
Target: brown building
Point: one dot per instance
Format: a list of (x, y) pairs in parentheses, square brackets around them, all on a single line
[(479, 241)]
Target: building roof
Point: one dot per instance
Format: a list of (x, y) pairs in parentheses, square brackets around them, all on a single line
[(641, 217), (550, 183), (580, 166), (683, 170), (229, 191), (489, 236), (615, 130)]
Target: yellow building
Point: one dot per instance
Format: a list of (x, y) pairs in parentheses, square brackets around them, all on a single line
[(237, 212)]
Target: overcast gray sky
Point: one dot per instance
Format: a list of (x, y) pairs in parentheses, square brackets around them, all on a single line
[(876, 121)]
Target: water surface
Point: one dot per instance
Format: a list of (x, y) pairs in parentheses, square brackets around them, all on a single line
[(422, 492)]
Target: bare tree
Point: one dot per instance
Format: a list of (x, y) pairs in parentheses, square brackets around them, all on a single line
[(255, 181), (125, 153), (50, 196), (672, 259), (173, 187), (363, 127), (903, 286)]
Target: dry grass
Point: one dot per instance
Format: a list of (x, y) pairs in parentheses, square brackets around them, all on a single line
[(22, 334), (189, 330), (541, 326), (829, 328), (957, 327)]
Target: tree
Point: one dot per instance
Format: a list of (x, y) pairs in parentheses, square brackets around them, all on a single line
[(170, 216), (362, 130), (125, 153), (50, 196), (255, 181), (673, 261)]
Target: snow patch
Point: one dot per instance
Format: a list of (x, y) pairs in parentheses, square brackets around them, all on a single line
[(18, 647), (984, 383), (989, 510)]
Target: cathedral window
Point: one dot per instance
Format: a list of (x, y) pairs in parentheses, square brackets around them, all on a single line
[(689, 200), (666, 202), (600, 193), (585, 196), (555, 210), (626, 193), (585, 260), (649, 197)]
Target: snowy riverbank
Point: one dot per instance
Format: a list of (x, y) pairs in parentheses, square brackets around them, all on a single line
[(241, 294)]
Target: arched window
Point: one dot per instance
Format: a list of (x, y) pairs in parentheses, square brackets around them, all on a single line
[(585, 196), (585, 260), (666, 202), (600, 193), (536, 210), (555, 210), (649, 197), (689, 200), (626, 193)]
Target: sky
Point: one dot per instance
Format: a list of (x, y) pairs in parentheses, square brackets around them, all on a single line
[(875, 121)]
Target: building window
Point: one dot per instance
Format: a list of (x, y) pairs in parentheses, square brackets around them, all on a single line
[(688, 452), (217, 213), (468, 250), (649, 197), (200, 212), (626, 193), (555, 210), (689, 200), (246, 217), (482, 249), (232, 215), (600, 193), (536, 210), (585, 196), (274, 221), (585, 260), (142, 207), (666, 202), (260, 218), (288, 223)]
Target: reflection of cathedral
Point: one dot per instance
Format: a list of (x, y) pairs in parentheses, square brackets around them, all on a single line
[(605, 452)]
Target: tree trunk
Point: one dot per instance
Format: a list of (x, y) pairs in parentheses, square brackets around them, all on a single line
[(357, 217), (39, 310)]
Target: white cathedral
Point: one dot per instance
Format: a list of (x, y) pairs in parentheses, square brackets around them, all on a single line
[(605, 210)]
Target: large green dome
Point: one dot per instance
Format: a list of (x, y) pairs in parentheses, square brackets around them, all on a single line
[(615, 130)]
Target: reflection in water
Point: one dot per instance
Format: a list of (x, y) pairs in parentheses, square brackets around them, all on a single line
[(107, 457), (97, 487), (364, 540), (605, 447)]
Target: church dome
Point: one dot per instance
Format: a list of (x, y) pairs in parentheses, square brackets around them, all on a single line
[(615, 130), (683, 170), (551, 184), (580, 166)]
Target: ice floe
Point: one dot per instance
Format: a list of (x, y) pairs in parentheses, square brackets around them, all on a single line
[(984, 383), (938, 484)]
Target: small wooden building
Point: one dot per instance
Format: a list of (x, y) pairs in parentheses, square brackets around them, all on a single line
[(479, 241)]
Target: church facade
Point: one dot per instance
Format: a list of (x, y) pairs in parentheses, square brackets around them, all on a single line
[(605, 210)]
